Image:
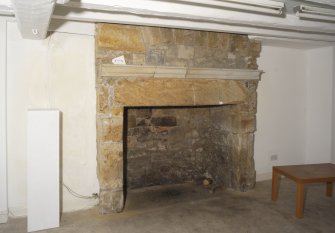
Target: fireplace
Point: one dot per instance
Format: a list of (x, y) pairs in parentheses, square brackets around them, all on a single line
[(174, 145), (213, 74)]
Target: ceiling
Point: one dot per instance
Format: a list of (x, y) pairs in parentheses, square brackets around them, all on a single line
[(285, 20)]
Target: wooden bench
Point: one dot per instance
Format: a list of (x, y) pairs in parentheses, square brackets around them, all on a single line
[(303, 174)]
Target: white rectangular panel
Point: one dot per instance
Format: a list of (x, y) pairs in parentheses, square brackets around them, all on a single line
[(43, 169)]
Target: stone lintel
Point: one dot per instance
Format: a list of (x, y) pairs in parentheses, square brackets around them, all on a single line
[(181, 92), (109, 70)]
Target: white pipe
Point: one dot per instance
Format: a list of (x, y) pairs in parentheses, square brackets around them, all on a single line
[(256, 6), (316, 10), (325, 2), (62, 1), (295, 33), (262, 3), (3, 123), (144, 12), (316, 17), (237, 5), (102, 6)]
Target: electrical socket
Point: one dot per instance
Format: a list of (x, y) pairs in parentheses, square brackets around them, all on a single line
[(274, 157)]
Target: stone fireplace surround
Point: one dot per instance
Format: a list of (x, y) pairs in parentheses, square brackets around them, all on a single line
[(151, 84)]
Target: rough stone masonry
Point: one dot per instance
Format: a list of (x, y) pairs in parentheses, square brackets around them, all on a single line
[(173, 145)]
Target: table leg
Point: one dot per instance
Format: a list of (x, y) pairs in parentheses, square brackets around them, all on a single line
[(275, 176), (300, 200), (329, 192)]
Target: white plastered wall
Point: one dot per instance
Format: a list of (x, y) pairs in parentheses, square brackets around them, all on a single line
[(295, 118), (281, 109), (58, 72), (3, 122), (333, 112), (319, 91)]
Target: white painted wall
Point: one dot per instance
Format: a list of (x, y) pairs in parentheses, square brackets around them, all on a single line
[(319, 95), (54, 73), (333, 112), (296, 107), (3, 123), (281, 109)]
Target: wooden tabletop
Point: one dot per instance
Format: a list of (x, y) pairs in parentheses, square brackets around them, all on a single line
[(308, 173)]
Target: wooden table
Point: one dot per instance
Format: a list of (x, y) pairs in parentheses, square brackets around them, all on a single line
[(303, 174)]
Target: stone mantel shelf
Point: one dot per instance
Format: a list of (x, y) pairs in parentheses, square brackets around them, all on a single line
[(109, 70)]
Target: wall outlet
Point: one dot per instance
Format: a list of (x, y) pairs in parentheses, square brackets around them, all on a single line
[(274, 157)]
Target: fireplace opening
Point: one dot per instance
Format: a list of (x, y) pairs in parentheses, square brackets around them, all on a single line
[(210, 142), (175, 145)]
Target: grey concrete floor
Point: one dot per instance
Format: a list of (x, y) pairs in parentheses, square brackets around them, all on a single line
[(187, 208)]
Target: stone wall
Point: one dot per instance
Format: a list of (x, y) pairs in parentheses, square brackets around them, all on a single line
[(175, 47), (166, 145), (218, 140), (176, 145)]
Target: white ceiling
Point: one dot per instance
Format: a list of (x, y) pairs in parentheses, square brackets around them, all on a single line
[(287, 28)]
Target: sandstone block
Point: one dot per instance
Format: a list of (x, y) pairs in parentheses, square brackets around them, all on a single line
[(220, 54), (213, 40), (114, 133), (151, 92), (144, 112), (244, 124), (131, 121), (185, 52), (184, 37), (225, 41), (138, 59), (119, 37), (168, 92), (117, 111), (164, 121), (111, 201), (152, 36), (242, 161), (101, 53), (240, 45), (167, 35), (204, 53), (102, 99), (219, 92), (110, 129), (252, 63), (200, 38), (131, 142), (255, 48), (155, 57), (142, 122), (176, 62), (234, 120), (110, 165), (203, 57)]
